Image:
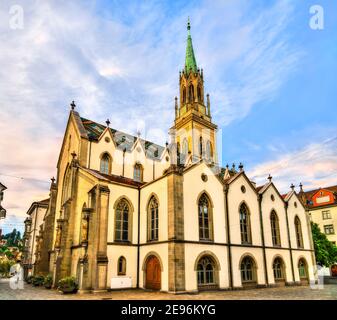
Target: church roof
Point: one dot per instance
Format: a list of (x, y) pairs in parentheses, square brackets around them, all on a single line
[(114, 178), (190, 62), (123, 141)]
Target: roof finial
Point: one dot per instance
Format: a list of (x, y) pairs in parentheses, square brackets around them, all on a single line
[(107, 122), (73, 105), (270, 177), (301, 187), (292, 187), (188, 24), (241, 166)]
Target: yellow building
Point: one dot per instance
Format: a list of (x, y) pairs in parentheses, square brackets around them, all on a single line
[(125, 212)]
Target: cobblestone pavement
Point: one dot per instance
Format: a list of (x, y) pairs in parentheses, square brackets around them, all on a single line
[(329, 292)]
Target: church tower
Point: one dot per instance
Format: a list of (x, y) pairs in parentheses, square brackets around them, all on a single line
[(193, 130)]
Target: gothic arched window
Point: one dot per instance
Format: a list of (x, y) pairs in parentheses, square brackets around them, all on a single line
[(66, 185), (122, 221), (201, 147), (205, 218), (298, 229), (184, 95), (206, 271), (199, 94), (185, 147), (121, 266), (153, 219), (191, 93), (138, 172), (209, 152), (248, 270), (245, 224), (275, 229), (105, 164), (278, 269)]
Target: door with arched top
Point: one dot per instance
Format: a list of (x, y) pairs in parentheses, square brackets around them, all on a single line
[(153, 274)]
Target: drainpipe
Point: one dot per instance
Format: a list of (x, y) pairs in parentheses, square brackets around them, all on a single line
[(89, 154), (123, 161), (263, 242), (290, 249), (138, 238), (229, 252), (153, 170)]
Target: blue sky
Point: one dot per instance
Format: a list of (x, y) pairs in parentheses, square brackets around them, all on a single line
[(271, 79)]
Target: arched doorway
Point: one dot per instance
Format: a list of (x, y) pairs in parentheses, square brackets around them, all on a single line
[(303, 271), (153, 273)]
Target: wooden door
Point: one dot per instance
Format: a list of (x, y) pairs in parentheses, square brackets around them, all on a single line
[(153, 274)]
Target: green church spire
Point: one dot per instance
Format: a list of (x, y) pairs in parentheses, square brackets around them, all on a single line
[(190, 62)]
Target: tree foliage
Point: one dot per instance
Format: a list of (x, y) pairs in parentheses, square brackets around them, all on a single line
[(325, 251), (13, 238)]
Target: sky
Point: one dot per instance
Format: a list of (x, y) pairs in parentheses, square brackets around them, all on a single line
[(271, 77)]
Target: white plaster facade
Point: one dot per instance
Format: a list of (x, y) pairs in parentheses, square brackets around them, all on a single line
[(187, 226)]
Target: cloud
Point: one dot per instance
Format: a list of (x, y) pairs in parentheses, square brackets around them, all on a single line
[(314, 165), (122, 62)]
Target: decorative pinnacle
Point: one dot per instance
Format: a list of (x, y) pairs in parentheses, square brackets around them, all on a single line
[(270, 178), (73, 105), (292, 187), (107, 122), (73, 154), (53, 180), (241, 166), (301, 187), (188, 24), (227, 166)]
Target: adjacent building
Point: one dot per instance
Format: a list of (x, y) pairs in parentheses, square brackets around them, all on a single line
[(33, 223), (2, 210), (321, 204), (126, 212)]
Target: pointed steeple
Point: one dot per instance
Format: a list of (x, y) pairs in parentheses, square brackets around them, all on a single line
[(190, 62)]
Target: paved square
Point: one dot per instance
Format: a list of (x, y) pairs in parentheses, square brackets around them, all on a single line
[(329, 292)]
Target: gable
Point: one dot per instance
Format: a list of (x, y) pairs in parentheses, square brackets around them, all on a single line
[(322, 197)]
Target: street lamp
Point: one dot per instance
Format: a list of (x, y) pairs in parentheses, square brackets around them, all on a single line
[(2, 213)]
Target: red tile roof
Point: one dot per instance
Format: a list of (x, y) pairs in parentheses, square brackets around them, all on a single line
[(306, 197)]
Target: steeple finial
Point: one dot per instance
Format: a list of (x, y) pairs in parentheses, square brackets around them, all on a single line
[(190, 62), (73, 105)]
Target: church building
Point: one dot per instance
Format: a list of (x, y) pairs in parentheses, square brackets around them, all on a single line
[(127, 213)]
